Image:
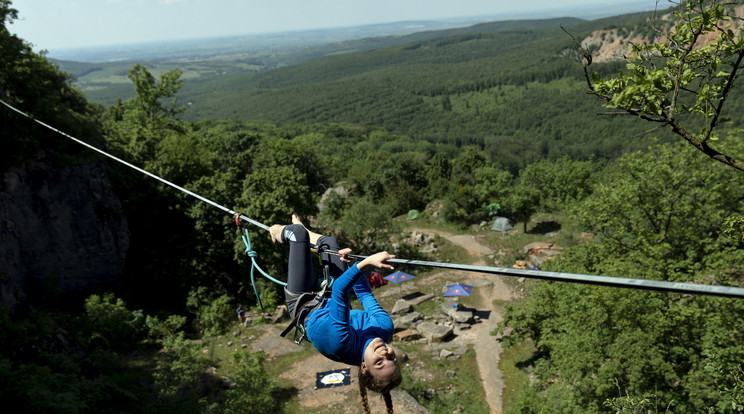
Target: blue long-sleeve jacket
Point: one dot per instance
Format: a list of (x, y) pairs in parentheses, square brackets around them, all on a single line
[(341, 333)]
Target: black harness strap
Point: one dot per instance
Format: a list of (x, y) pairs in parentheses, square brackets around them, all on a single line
[(307, 303)]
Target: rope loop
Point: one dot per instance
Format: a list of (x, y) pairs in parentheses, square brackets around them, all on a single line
[(254, 264)]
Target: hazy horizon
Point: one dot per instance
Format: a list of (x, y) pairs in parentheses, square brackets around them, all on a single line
[(59, 26)]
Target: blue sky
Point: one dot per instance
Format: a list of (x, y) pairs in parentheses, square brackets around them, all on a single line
[(63, 24)]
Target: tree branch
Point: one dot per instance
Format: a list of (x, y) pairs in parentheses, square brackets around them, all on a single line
[(724, 94), (587, 56), (705, 148), (681, 68)]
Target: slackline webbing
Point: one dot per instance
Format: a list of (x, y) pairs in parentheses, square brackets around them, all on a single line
[(646, 284)]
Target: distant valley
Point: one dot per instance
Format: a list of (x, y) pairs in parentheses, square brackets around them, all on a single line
[(101, 71)]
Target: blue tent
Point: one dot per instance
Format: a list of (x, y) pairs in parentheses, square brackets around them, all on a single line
[(458, 289), (399, 277)]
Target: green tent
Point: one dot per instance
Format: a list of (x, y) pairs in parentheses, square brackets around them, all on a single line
[(502, 224), (413, 214)]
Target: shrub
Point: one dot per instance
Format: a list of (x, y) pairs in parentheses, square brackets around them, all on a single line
[(212, 314), (108, 322), (253, 387)]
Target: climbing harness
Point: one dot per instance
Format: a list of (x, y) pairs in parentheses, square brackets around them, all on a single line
[(305, 303), (646, 284)]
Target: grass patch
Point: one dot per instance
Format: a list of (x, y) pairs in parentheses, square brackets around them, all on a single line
[(450, 253), (429, 307), (282, 363), (512, 365), (437, 391)]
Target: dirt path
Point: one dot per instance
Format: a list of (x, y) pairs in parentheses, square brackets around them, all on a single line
[(489, 288)]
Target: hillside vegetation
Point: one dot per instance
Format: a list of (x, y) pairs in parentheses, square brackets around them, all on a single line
[(512, 88), (515, 90)]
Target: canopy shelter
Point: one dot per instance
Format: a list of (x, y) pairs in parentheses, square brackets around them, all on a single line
[(399, 277), (458, 289)]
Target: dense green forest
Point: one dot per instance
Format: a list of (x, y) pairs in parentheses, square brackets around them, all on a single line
[(460, 122), (516, 92)]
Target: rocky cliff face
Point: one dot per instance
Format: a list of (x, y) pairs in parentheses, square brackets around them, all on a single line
[(62, 228), (613, 44)]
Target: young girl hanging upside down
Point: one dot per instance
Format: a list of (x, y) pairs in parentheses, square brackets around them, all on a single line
[(352, 336)]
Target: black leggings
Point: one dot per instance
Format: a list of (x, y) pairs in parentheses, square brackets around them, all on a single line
[(301, 276)]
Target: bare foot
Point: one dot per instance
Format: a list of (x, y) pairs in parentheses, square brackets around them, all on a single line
[(276, 233), (313, 235), (296, 220)]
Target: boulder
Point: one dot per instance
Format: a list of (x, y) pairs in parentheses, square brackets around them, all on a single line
[(406, 335), (61, 221), (434, 332), (444, 353), (226, 383), (401, 356), (280, 313), (536, 247), (448, 304), (462, 316), (406, 321), (341, 189), (538, 253), (421, 299), (401, 306)]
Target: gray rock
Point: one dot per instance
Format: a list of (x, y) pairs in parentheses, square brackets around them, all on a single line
[(428, 393), (401, 306), (462, 316), (421, 299), (406, 321), (280, 313), (434, 332), (65, 222), (227, 383), (457, 312), (400, 355), (405, 401), (445, 353), (447, 305)]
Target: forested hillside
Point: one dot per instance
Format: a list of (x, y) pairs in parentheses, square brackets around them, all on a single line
[(515, 90), (448, 126)]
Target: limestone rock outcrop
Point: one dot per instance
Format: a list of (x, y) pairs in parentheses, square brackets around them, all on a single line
[(62, 228)]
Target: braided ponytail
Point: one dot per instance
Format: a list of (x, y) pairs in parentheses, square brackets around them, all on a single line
[(363, 394), (388, 402), (366, 380)]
